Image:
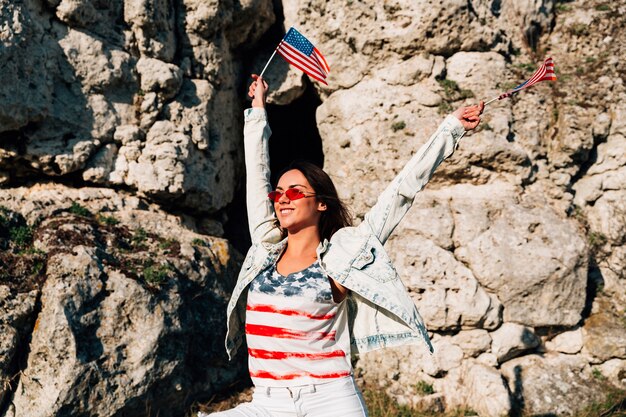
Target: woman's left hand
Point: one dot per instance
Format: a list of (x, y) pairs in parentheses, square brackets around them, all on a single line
[(470, 116)]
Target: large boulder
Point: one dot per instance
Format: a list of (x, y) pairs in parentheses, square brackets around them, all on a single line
[(98, 67), (552, 384), (132, 301), (604, 333), (477, 387), (550, 290), (512, 340)]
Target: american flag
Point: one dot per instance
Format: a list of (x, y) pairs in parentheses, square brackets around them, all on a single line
[(301, 53), (544, 73)]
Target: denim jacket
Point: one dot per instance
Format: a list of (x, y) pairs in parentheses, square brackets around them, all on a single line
[(381, 311)]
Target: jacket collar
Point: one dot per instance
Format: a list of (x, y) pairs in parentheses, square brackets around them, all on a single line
[(321, 248)]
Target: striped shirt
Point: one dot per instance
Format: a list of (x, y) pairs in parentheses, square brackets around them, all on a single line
[(296, 333)]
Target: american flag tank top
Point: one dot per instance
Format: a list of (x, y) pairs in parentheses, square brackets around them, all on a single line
[(295, 331)]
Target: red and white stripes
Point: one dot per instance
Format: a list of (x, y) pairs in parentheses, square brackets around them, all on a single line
[(296, 339), (314, 65)]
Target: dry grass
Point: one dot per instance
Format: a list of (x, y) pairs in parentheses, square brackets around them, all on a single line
[(380, 404)]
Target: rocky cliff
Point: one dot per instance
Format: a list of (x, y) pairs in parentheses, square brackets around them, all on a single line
[(121, 201)]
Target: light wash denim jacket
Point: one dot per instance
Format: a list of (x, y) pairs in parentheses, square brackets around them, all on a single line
[(381, 311)]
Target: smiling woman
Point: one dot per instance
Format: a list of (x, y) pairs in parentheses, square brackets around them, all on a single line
[(307, 263)]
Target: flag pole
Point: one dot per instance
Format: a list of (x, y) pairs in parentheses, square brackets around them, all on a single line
[(492, 100), (268, 62)]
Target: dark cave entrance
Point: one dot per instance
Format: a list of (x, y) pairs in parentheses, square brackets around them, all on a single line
[(294, 133)]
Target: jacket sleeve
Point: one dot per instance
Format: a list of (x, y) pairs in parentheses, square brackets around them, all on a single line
[(261, 215), (398, 197)]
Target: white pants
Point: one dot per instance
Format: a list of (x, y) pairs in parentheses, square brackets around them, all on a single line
[(339, 398)]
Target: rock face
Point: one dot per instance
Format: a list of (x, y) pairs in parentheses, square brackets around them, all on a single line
[(550, 384), (514, 253), (124, 64), (124, 316)]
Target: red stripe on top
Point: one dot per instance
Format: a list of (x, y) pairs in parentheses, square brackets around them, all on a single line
[(265, 308), (270, 354), (270, 331), (269, 375)]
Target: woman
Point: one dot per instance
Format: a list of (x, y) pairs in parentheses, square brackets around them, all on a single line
[(313, 289)]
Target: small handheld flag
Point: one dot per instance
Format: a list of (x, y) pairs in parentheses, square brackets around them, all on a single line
[(302, 54), (544, 73)]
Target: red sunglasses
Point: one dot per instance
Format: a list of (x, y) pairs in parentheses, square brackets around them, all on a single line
[(291, 193)]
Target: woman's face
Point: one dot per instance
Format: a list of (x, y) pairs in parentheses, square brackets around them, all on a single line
[(295, 215)]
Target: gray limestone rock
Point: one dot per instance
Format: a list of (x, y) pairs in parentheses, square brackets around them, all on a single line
[(604, 333), (547, 291), (570, 342), (8, 348), (478, 387), (558, 384), (125, 316), (146, 96), (512, 340), (473, 342), (445, 291), (159, 77)]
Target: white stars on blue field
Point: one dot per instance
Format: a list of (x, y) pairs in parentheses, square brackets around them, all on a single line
[(295, 39)]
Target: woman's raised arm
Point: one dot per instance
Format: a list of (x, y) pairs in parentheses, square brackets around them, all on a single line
[(256, 132), (398, 197)]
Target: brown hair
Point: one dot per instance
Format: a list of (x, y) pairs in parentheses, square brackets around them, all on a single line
[(336, 214)]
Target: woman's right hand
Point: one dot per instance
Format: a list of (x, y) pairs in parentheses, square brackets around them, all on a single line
[(258, 91)]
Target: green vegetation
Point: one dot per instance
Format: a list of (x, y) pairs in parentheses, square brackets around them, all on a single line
[(21, 265), (79, 210), (21, 236), (596, 240), (380, 404), (452, 93), (597, 374), (603, 7), (37, 267), (3, 212), (139, 237), (198, 242), (156, 275), (424, 388), (527, 67), (614, 404), (107, 220), (399, 125), (132, 252), (561, 8), (167, 244), (444, 107), (578, 29), (32, 251)]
